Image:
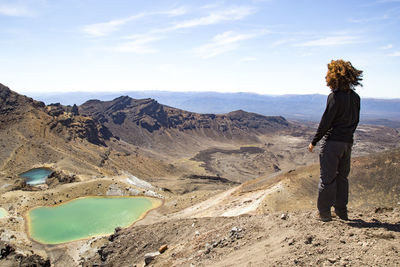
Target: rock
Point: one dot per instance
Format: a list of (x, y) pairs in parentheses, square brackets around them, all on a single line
[(216, 243), (149, 257), (33, 260), (236, 229), (6, 250), (163, 248), (276, 168), (115, 234), (75, 110), (103, 254), (383, 209), (208, 248), (236, 233), (332, 260), (308, 240), (59, 177), (284, 216)]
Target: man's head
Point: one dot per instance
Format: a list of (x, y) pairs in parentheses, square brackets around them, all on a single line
[(342, 75)]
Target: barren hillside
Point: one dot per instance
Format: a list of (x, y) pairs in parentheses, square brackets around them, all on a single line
[(238, 188)]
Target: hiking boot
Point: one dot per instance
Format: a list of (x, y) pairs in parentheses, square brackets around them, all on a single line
[(342, 215), (324, 217)]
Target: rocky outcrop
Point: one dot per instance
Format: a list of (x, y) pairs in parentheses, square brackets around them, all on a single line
[(13, 106), (59, 177), (9, 256), (75, 126), (75, 110), (64, 121), (135, 120), (11, 101), (145, 113), (5, 250), (20, 184)]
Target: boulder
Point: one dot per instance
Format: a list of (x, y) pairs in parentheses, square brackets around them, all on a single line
[(149, 257)]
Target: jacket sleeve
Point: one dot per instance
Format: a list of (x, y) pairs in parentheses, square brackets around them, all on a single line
[(326, 120)]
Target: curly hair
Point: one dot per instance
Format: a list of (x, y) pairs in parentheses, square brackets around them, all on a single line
[(342, 75)]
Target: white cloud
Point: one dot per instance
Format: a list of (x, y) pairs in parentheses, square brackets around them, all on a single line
[(174, 12), (331, 41), (105, 28), (138, 45), (15, 10), (231, 14), (385, 47), (222, 43), (395, 54)]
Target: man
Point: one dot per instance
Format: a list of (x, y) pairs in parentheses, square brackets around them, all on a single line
[(337, 125)]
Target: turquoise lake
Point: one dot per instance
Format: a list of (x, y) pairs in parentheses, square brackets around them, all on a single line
[(36, 176), (86, 217)]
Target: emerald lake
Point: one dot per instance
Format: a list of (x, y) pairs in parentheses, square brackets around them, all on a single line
[(86, 217), (36, 176)]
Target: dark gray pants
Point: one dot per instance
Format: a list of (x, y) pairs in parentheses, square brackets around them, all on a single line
[(333, 186)]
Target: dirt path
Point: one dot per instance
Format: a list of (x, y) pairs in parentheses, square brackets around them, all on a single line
[(227, 204)]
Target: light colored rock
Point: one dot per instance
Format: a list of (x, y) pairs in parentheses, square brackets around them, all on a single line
[(236, 229), (134, 191), (131, 179), (151, 193)]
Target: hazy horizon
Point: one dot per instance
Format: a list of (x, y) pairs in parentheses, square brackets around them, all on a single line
[(121, 93)]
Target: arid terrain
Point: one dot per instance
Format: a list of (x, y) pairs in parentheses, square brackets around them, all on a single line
[(239, 189)]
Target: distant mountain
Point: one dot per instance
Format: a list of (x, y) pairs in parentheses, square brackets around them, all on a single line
[(297, 107), (142, 121)]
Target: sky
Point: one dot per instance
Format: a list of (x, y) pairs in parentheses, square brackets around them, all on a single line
[(262, 46)]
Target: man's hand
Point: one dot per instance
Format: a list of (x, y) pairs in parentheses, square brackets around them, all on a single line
[(310, 147)]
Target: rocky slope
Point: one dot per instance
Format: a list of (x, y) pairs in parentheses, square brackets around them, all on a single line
[(137, 135), (272, 222), (56, 136), (142, 121), (15, 108), (239, 188), (370, 238)]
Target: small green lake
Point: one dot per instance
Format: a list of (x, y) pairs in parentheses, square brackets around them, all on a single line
[(3, 213), (86, 217), (36, 176)]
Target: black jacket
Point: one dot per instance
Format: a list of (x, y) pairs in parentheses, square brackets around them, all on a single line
[(340, 118)]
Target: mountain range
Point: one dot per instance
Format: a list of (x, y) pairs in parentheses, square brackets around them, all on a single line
[(296, 107)]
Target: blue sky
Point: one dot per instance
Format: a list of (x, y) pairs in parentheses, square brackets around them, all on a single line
[(261, 46)]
